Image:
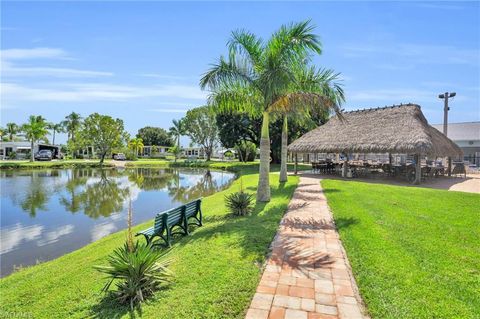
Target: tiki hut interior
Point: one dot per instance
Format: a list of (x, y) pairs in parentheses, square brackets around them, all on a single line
[(397, 129)]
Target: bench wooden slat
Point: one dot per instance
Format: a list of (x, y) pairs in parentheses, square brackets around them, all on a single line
[(176, 217), (193, 210)]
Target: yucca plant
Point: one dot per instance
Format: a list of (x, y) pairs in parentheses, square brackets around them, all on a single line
[(138, 272), (137, 269), (240, 203)]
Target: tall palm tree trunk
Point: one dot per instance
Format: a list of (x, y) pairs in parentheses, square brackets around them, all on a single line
[(53, 141), (32, 155), (283, 163), (263, 190)]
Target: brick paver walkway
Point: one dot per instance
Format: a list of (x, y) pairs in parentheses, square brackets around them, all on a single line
[(307, 275)]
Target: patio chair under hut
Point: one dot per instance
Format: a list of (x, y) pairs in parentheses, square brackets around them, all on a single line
[(397, 129)]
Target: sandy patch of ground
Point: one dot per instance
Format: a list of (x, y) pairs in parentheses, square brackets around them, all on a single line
[(470, 184), (119, 164)]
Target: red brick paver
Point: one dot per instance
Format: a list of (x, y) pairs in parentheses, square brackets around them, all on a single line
[(307, 274)]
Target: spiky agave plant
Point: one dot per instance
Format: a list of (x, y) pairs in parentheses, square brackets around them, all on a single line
[(137, 272), (240, 203)]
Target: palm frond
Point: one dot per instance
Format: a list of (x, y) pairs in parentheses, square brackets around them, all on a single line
[(312, 91), (224, 71), (236, 97), (294, 42), (246, 44)]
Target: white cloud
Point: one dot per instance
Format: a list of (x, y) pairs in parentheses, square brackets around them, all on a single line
[(396, 96), (169, 110), (416, 53), (172, 103), (438, 6), (53, 236), (101, 230), (166, 76), (13, 236), (8, 29), (9, 70), (35, 53), (86, 92)]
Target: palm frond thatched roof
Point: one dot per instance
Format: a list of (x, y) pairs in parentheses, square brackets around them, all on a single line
[(395, 129)]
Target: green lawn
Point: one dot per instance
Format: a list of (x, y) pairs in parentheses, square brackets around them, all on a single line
[(217, 267), (415, 252)]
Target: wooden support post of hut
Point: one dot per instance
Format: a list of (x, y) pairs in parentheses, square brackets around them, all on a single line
[(449, 166), (345, 166), (418, 169), (296, 164)]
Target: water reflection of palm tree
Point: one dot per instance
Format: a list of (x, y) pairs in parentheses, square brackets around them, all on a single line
[(37, 195)]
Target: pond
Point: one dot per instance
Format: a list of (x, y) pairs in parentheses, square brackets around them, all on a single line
[(47, 213)]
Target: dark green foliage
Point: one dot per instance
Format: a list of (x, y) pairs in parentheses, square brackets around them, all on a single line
[(137, 273), (103, 133), (296, 128), (240, 204), (236, 127), (200, 126), (247, 151), (154, 136)]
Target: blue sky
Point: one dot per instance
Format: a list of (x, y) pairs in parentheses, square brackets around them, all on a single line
[(141, 61)]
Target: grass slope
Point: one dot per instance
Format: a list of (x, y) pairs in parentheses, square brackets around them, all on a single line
[(415, 252), (216, 268)]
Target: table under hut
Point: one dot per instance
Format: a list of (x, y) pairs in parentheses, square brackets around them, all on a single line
[(392, 133)]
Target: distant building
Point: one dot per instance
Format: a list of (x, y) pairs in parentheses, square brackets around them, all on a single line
[(193, 152), (467, 136), (199, 152), (147, 151), (23, 148)]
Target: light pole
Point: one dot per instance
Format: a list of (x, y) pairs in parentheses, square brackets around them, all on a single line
[(445, 96)]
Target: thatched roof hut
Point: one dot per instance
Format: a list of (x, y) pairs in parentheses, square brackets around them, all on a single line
[(398, 129)]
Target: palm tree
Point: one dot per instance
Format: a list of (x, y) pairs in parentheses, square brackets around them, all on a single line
[(2, 133), (320, 92), (259, 77), (12, 129), (72, 123), (56, 128), (35, 130), (177, 130), (136, 144)]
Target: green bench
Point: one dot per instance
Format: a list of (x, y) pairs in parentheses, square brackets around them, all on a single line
[(180, 217)]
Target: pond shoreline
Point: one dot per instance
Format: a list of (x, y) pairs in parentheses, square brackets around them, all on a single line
[(10, 165), (70, 287), (50, 212)]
